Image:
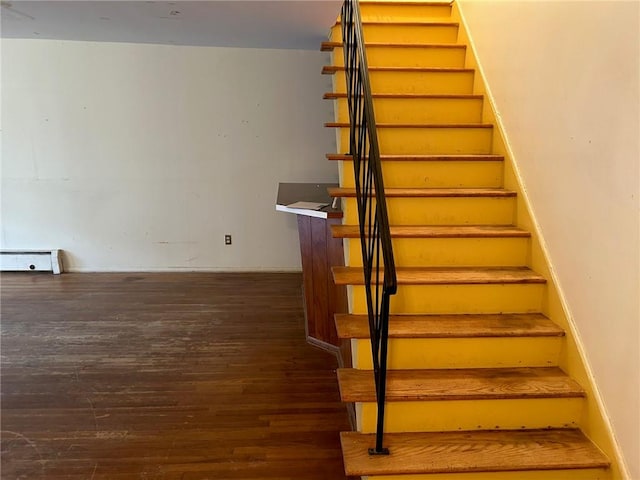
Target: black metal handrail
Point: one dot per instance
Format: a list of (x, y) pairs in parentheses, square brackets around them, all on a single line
[(377, 253)]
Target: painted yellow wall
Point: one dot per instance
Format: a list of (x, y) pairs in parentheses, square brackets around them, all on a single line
[(564, 76)]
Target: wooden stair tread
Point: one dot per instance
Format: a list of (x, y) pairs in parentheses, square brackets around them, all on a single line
[(452, 326), (409, 96), (330, 46), (407, 23), (478, 451), (414, 125), (423, 158), (438, 231), (444, 276), (460, 384), (404, 3), (331, 69), (429, 192)]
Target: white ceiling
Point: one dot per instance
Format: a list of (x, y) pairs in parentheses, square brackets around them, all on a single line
[(301, 24)]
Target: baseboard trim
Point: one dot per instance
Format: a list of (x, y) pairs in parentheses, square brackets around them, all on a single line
[(31, 261), (102, 269)]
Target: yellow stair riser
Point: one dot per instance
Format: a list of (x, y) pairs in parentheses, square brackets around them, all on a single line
[(445, 252), (378, 13), (434, 174), (441, 416), (419, 110), (491, 352), (449, 83), (427, 56), (428, 141), (578, 474), (435, 299), (393, 33), (442, 211)]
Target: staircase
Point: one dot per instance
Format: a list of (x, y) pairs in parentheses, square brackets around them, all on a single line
[(474, 389)]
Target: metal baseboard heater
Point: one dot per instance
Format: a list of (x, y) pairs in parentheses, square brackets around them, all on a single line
[(31, 261)]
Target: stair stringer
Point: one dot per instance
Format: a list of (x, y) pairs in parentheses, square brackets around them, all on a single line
[(573, 358)]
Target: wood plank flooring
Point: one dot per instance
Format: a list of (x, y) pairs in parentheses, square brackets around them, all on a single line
[(164, 376)]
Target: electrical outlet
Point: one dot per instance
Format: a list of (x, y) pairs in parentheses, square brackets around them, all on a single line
[(227, 239)]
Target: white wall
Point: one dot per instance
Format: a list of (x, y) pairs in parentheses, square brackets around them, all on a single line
[(141, 157), (564, 76)]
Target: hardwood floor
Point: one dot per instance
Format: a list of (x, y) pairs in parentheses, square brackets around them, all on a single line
[(164, 376)]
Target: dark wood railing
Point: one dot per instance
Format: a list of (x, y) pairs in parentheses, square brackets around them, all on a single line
[(377, 253)]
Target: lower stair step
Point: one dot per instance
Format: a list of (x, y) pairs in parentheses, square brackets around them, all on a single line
[(459, 384), (426, 139), (445, 276), (441, 206), (458, 341), (437, 231), (415, 109), (432, 171), (446, 246), (456, 290), (410, 80), (477, 451), (452, 326), (405, 54), (409, 32), (429, 192), (463, 209), (422, 158), (404, 11)]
